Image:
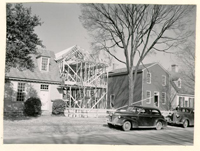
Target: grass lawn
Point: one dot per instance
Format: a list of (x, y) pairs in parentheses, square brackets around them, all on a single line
[(51, 125)]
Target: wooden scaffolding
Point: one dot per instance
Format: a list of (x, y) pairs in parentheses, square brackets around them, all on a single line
[(84, 80)]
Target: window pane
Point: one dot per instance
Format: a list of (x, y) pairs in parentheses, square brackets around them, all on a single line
[(44, 64), (44, 87), (21, 92)]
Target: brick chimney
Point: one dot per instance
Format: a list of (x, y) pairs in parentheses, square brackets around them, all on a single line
[(174, 68)]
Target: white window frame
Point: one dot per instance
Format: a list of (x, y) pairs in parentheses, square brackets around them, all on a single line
[(47, 66), (21, 95), (164, 97), (148, 99), (44, 87), (164, 80), (149, 82)]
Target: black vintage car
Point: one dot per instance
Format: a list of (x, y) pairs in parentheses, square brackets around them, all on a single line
[(181, 115), (137, 117)]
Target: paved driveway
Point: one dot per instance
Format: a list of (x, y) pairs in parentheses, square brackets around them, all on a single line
[(62, 130)]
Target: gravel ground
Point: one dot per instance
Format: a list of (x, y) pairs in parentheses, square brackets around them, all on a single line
[(52, 125)]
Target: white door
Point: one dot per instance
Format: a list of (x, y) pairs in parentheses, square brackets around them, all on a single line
[(44, 96)]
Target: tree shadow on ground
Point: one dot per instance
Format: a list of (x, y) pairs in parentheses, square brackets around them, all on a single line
[(19, 117)]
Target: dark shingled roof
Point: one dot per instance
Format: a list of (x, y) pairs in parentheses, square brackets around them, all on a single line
[(52, 76), (122, 71)]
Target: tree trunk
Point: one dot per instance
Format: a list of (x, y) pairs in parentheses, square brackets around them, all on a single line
[(132, 80), (131, 87)]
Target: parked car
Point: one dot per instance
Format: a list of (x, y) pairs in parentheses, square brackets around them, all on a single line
[(181, 115), (137, 117)]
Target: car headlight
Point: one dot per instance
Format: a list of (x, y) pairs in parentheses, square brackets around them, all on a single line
[(119, 116)]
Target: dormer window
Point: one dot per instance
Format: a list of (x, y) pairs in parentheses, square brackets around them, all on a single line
[(179, 83), (45, 64)]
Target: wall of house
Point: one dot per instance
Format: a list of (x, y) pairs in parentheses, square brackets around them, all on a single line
[(186, 102), (156, 86), (10, 103), (118, 91), (173, 103), (11, 106)]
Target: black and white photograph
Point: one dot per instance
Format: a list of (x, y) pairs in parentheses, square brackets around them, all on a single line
[(100, 73)]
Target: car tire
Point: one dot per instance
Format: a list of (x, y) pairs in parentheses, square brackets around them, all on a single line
[(185, 124), (126, 126), (159, 125)]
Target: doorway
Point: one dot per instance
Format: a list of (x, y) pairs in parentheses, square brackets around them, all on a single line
[(156, 99)]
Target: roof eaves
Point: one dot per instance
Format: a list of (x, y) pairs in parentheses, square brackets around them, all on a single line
[(33, 80), (149, 66), (121, 73)]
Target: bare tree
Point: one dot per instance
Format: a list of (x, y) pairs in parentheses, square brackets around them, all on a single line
[(186, 59), (135, 30)]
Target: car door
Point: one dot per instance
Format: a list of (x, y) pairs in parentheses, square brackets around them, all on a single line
[(190, 116), (144, 118), (155, 114)]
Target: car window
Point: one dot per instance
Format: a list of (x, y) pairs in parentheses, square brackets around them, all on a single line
[(187, 110), (183, 110), (144, 111), (155, 112)]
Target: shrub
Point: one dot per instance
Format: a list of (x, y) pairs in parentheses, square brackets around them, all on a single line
[(32, 107), (58, 107)]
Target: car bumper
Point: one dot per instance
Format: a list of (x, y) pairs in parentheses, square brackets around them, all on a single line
[(114, 122)]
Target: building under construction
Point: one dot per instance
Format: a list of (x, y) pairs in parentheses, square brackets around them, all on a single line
[(84, 78)]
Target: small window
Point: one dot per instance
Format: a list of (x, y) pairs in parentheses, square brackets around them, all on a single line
[(148, 96), (155, 112), (179, 83), (163, 97), (44, 87), (45, 64), (148, 77), (21, 92), (163, 80)]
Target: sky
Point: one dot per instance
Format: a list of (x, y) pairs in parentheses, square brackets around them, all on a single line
[(62, 29)]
